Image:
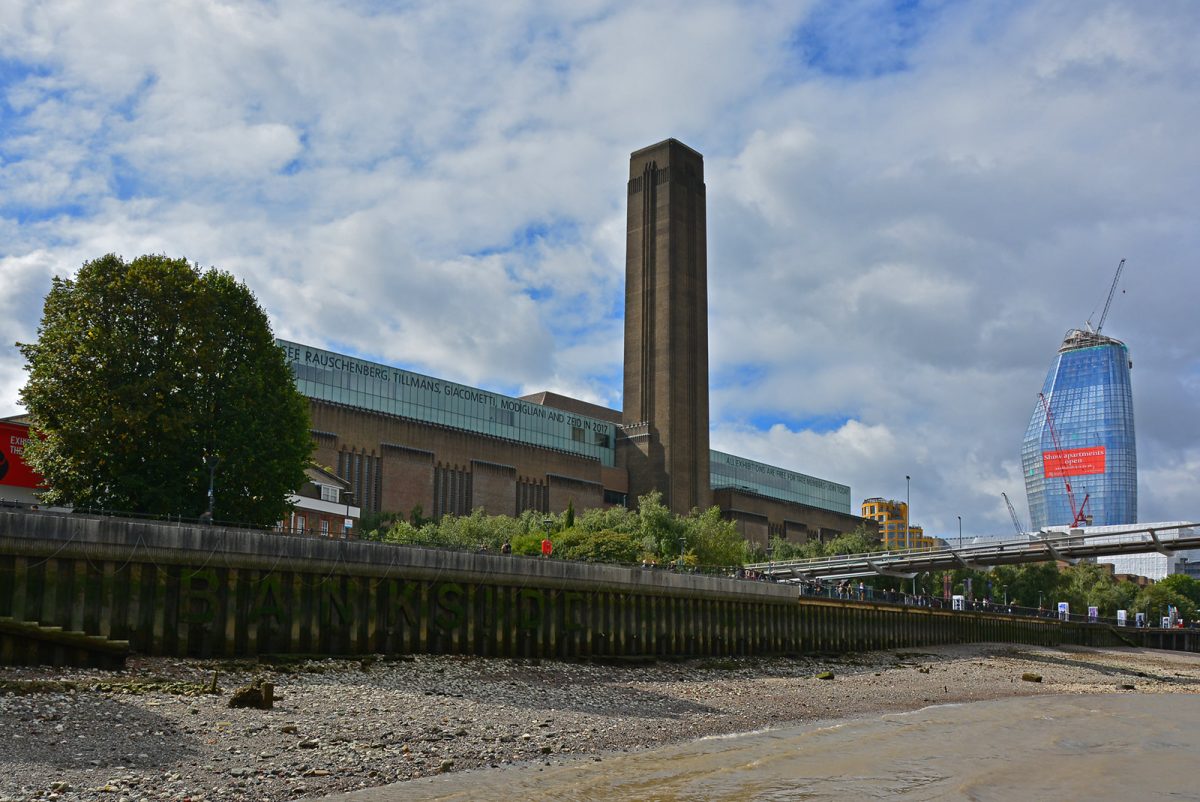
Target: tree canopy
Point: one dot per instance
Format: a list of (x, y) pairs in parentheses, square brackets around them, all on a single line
[(704, 540), (613, 534), (145, 375), (1184, 585), (859, 541), (1156, 600)]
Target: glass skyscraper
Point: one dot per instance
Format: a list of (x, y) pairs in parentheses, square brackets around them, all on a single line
[(1090, 401)]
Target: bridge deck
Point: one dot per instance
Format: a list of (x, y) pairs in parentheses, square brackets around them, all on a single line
[(1067, 545)]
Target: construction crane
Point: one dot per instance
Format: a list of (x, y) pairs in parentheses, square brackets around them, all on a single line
[(1079, 512), (1015, 519), (1111, 292)]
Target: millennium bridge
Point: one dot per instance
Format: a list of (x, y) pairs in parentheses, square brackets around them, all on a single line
[(1062, 544)]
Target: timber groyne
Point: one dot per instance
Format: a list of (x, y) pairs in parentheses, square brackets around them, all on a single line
[(205, 591)]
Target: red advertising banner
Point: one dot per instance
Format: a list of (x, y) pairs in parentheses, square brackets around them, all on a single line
[(1073, 462), (13, 470)]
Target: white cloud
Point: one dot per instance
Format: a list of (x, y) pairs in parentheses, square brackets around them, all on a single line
[(904, 214)]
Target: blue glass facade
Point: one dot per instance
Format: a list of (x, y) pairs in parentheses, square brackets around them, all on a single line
[(1091, 404), (368, 385), (740, 473)]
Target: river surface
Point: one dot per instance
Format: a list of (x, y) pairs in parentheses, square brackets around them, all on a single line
[(1116, 746)]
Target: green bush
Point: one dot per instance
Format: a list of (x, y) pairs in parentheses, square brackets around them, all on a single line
[(605, 547), (528, 544)]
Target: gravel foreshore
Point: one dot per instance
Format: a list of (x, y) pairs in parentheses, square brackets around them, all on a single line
[(157, 731)]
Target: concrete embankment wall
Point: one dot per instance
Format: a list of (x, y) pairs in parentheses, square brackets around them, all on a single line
[(210, 591)]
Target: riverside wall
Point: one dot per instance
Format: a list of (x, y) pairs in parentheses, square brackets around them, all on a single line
[(174, 589)]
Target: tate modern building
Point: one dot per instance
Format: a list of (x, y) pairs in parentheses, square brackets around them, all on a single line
[(406, 441)]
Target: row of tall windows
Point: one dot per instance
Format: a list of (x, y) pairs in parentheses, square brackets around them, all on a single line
[(451, 490), (362, 471), (532, 495)]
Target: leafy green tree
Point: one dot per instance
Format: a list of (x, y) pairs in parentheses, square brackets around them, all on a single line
[(528, 543), (713, 541), (1029, 585), (373, 525), (1184, 585), (466, 532), (787, 550), (614, 519), (605, 546), (407, 533), (856, 542), (147, 374), (1127, 593), (1155, 599), (659, 526), (978, 581), (1089, 585)]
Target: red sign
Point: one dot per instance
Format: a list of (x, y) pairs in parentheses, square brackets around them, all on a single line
[(13, 470), (1073, 462)]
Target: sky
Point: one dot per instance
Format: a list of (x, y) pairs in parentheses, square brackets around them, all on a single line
[(909, 203)]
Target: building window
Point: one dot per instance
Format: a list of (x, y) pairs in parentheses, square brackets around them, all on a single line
[(577, 434), (300, 525), (325, 527), (613, 497), (329, 493)]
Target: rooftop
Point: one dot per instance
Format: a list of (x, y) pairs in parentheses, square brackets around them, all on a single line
[(1079, 338)]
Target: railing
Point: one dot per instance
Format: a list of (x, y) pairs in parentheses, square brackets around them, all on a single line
[(178, 520)]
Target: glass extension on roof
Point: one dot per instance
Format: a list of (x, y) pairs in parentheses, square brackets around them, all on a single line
[(726, 470), (368, 385)]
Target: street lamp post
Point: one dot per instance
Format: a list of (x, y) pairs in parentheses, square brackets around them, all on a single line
[(960, 532), (212, 462), (348, 497), (907, 512)]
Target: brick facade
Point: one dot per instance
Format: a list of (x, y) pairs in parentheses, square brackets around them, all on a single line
[(666, 326), (760, 518), (394, 465), (494, 487)]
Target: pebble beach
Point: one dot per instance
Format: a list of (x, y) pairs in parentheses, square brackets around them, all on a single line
[(162, 728)]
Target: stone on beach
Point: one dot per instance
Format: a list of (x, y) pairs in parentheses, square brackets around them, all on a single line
[(259, 694)]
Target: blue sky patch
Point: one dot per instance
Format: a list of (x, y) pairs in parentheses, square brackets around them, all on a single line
[(821, 424), (14, 72), (297, 164), (738, 376), (124, 179), (127, 106), (863, 40), (554, 231), (26, 215)]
